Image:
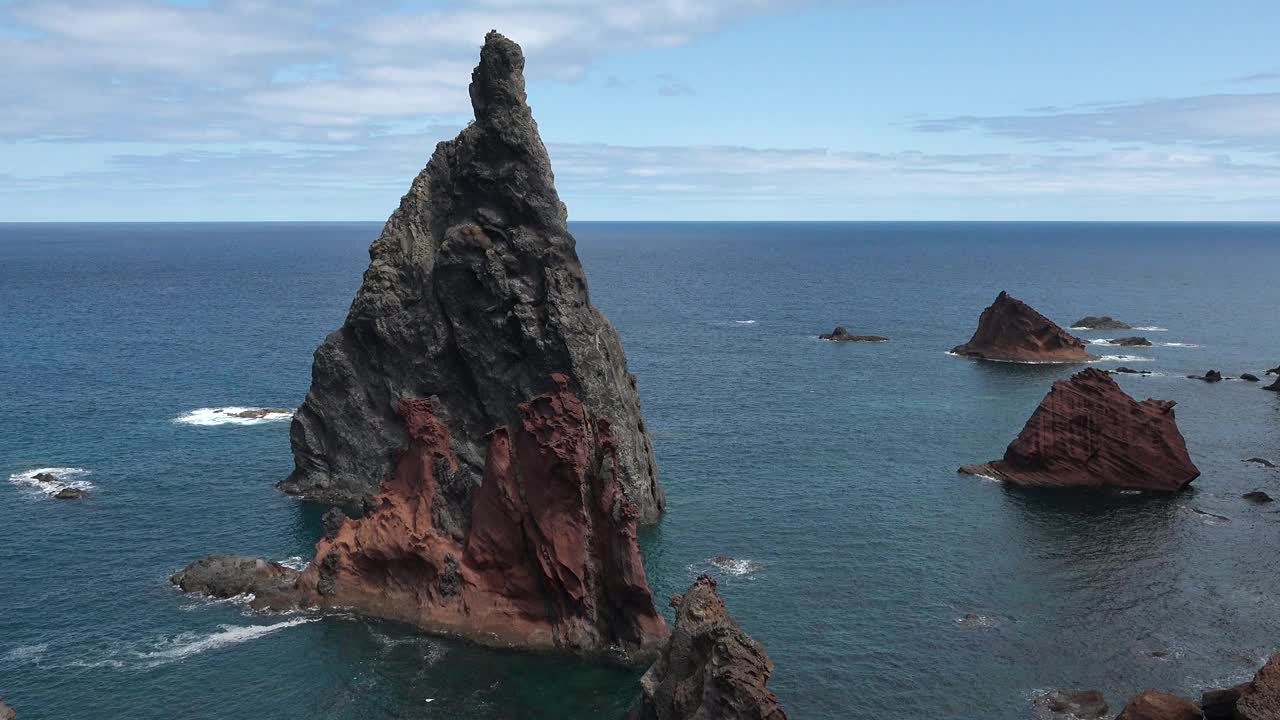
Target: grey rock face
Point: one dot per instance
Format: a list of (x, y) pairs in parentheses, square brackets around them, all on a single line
[(225, 576), (474, 295)]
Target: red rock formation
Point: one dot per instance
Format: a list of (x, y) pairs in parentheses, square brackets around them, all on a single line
[(1258, 699), (1156, 705), (1088, 433), (710, 670), (1012, 331), (550, 558)]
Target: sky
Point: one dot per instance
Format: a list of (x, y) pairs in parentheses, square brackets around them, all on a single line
[(154, 110)]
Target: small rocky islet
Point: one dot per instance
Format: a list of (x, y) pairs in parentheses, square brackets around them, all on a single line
[(504, 509)]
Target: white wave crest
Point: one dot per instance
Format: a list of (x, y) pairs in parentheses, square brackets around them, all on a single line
[(744, 322), (294, 563), (1123, 358), (25, 654), (734, 566), (1152, 328), (66, 477), (233, 415), (1184, 345), (1016, 362)]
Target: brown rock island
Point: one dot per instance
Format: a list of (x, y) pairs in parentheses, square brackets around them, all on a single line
[(1088, 433), (841, 334), (1011, 331)]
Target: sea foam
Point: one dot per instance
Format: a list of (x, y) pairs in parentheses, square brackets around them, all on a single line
[(68, 477), (207, 417)]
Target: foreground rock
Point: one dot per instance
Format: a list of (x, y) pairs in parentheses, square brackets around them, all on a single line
[(474, 295), (6, 712), (1012, 331), (710, 669), (1105, 322), (1130, 342), (1212, 376), (1088, 433), (1156, 705), (225, 576), (841, 334), (1259, 699), (1069, 705), (549, 559)]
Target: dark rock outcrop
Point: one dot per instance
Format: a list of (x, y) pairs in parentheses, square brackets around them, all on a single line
[(255, 413), (1106, 322), (1257, 496), (474, 295), (1212, 376), (841, 334), (227, 576), (1011, 330), (1128, 371), (1261, 461), (45, 477), (69, 493), (1249, 377), (1274, 371), (1088, 433), (1274, 387), (1130, 342), (1069, 705), (332, 521), (1156, 705), (710, 669)]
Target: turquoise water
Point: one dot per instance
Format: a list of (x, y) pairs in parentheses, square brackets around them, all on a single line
[(831, 468)]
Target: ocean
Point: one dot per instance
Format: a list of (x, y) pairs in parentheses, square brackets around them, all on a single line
[(882, 583)]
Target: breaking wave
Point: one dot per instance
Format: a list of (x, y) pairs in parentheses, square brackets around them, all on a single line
[(179, 647), (234, 415), (66, 477), (1184, 345), (1152, 328), (1123, 358), (744, 322)]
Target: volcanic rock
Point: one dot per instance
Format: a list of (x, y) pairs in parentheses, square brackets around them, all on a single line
[(1088, 433), (550, 558), (710, 669), (1261, 461), (45, 477), (1249, 377), (1128, 371), (1011, 330), (1156, 705), (1260, 697), (69, 493), (1274, 371), (1212, 376), (6, 712), (474, 295), (1274, 387), (332, 521), (841, 334), (1257, 496), (1221, 704), (225, 576), (255, 413), (1130, 342), (1106, 322), (1069, 705)]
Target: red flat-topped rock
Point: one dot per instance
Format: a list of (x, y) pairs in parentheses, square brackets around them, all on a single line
[(1012, 331), (550, 558), (1088, 433), (1156, 705)]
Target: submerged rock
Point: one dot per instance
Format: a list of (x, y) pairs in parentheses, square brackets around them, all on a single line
[(69, 493), (225, 576), (1106, 322), (1088, 433), (1249, 377), (1257, 496), (1156, 705), (255, 413), (1069, 705), (549, 559), (1131, 342), (841, 334), (1212, 376), (710, 669), (1011, 330), (1261, 461), (474, 295)]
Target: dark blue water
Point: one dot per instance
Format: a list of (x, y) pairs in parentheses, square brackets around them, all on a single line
[(830, 467)]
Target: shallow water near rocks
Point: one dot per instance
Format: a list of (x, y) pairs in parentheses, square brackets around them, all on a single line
[(882, 583)]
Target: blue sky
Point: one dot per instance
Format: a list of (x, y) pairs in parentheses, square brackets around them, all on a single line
[(651, 109)]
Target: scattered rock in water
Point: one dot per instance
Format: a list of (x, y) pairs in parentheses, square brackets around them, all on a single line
[(1261, 461), (225, 576), (1106, 322), (974, 620), (1069, 705), (710, 669), (841, 334), (45, 477), (1257, 496), (1274, 387), (734, 566), (69, 493), (255, 413), (1012, 331), (1249, 377), (1156, 705), (332, 521), (1212, 376), (1211, 518), (1131, 342), (1122, 370), (1274, 371), (1088, 433)]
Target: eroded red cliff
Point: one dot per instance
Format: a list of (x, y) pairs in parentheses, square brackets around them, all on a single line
[(550, 557), (1088, 433), (1012, 331)]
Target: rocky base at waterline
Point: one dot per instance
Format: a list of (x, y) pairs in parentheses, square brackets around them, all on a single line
[(1104, 322), (1257, 699), (474, 295), (1274, 387), (549, 559), (841, 334), (710, 669), (1069, 705), (6, 712), (1012, 331), (1088, 433)]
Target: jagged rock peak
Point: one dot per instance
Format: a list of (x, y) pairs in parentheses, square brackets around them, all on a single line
[(475, 296)]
